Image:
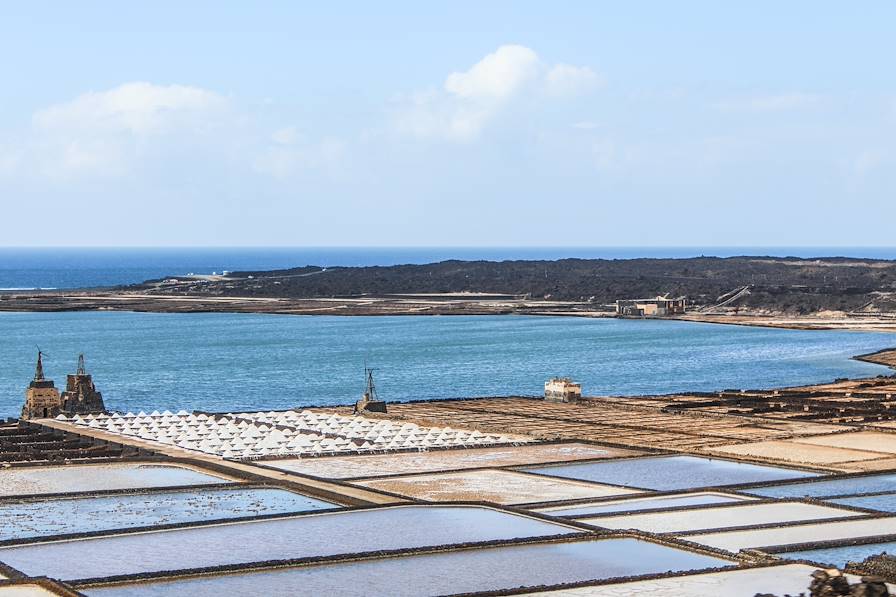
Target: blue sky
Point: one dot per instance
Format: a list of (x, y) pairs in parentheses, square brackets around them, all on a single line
[(469, 123)]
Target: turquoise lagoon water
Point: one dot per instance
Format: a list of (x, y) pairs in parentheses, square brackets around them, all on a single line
[(222, 362)]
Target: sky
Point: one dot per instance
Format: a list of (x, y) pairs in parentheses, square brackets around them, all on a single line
[(447, 124)]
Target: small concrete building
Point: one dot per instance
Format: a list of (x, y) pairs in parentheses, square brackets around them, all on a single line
[(655, 307), (562, 389)]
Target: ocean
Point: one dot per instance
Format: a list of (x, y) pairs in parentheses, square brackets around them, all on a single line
[(29, 268), (230, 362)]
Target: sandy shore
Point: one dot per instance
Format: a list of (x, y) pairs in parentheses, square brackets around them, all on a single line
[(405, 305)]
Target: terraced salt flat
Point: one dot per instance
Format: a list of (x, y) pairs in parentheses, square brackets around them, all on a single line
[(808, 533), (286, 433), (285, 538), (669, 473), (645, 503), (881, 503), (80, 515), (99, 477), (496, 486), (438, 574), (790, 579), (719, 518), (370, 465), (831, 487), (839, 556)]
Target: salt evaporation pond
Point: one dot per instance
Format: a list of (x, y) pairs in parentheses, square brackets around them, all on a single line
[(668, 473), (285, 538), (883, 503), (679, 521), (819, 489), (98, 477), (839, 556), (81, 515), (798, 534), (653, 503), (444, 573)]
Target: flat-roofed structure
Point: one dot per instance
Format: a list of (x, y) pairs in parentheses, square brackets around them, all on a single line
[(653, 307)]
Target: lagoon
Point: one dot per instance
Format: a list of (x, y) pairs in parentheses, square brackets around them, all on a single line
[(225, 362)]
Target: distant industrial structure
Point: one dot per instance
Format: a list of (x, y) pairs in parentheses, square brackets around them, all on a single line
[(562, 389), (660, 306), (369, 401), (43, 400)]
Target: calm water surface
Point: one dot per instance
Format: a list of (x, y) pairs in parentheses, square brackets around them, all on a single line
[(222, 362), (299, 537), (820, 489), (670, 472), (438, 574), (81, 515)]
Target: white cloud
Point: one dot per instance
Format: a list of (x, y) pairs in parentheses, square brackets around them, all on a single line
[(565, 79), (770, 103), (497, 76), (469, 100), (137, 108)]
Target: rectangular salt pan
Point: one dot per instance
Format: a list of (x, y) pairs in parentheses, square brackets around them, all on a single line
[(343, 467), (718, 518), (82, 515), (881, 503), (649, 503), (808, 533), (496, 486), (825, 488), (285, 538), (669, 473), (791, 579), (839, 556), (437, 574), (99, 477)]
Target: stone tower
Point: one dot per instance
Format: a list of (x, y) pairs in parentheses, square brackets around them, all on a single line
[(42, 399), (80, 394)]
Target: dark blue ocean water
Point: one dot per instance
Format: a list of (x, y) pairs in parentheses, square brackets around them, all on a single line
[(79, 267), (223, 362)]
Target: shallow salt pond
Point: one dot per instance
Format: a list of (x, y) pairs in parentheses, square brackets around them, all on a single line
[(25, 590), (344, 467), (496, 486), (80, 515), (667, 473), (808, 533), (789, 579), (882, 503), (719, 518), (439, 574), (649, 503), (285, 538), (822, 488), (839, 556), (98, 477)]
